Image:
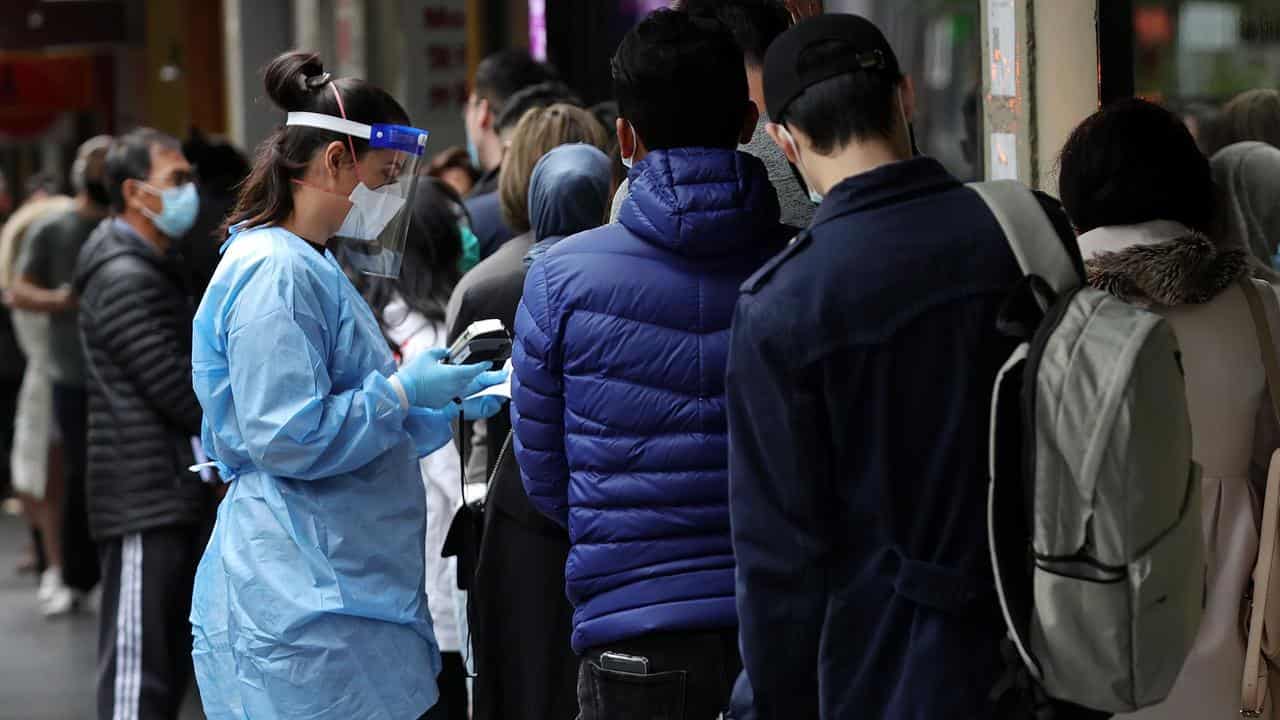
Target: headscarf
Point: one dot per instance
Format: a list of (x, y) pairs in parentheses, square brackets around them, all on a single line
[(1247, 175), (568, 193)]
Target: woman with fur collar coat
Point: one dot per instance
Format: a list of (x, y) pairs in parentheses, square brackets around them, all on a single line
[(1142, 196)]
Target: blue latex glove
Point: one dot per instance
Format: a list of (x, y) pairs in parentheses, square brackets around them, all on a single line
[(482, 408), (431, 383)]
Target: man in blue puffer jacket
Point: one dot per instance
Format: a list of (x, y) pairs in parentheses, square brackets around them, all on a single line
[(619, 397)]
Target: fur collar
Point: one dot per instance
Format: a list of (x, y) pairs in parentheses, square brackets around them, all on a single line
[(1186, 270)]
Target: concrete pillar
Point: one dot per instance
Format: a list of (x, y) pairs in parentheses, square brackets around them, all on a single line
[(313, 24), (1040, 80), (1066, 76), (255, 32)]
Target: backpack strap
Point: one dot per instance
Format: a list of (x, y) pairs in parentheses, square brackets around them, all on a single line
[(1031, 236), (1254, 685)]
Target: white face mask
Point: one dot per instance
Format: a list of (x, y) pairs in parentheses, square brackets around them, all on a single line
[(370, 213), (815, 197), (629, 162)]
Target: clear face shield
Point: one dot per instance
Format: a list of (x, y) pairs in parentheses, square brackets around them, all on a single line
[(373, 236)]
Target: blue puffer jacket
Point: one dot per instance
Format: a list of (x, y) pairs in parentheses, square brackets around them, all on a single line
[(619, 398)]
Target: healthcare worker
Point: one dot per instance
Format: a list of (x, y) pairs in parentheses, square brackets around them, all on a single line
[(309, 599)]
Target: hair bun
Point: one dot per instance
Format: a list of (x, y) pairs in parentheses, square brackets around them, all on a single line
[(315, 82), (293, 77)]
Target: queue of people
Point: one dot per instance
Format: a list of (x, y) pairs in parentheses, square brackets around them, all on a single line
[(744, 468)]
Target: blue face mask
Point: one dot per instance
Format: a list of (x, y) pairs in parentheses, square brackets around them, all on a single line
[(473, 152), (179, 209), (470, 249)]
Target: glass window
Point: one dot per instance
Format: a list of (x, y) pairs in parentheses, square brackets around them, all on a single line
[(939, 44), (1205, 51)]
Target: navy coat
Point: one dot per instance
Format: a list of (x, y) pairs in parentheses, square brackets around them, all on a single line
[(618, 406), (859, 391)]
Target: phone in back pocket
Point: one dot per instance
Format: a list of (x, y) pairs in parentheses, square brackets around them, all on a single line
[(617, 662)]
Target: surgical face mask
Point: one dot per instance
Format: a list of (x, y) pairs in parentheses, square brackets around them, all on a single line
[(473, 152), (629, 162), (470, 248), (815, 197), (369, 214), (178, 210)]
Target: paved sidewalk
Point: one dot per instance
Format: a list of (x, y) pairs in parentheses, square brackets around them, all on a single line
[(47, 667)]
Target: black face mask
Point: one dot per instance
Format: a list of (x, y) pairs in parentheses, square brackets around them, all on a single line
[(97, 191)]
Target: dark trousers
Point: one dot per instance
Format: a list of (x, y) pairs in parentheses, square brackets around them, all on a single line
[(525, 667), (144, 635), (690, 677), (79, 556), (8, 415), (452, 681)]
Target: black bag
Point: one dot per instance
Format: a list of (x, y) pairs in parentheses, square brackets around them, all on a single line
[(466, 531)]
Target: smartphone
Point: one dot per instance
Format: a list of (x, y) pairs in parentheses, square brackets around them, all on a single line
[(617, 662), (483, 341)]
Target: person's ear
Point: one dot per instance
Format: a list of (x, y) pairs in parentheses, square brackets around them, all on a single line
[(907, 91), (130, 190), (335, 156), (750, 116), (487, 119), (626, 138), (782, 139)]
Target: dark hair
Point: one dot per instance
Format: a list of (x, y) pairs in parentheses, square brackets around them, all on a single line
[(296, 82), (130, 159), (505, 73), (846, 108), (220, 166), (45, 182), (535, 96), (607, 113), (431, 256), (755, 24), (680, 81), (453, 158), (1132, 162)]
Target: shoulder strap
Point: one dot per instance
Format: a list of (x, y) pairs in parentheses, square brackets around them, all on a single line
[(1254, 683), (1266, 340), (1029, 233)]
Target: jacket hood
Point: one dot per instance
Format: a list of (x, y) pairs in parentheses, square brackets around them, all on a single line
[(111, 239), (568, 191), (1141, 264), (701, 202), (1247, 176)]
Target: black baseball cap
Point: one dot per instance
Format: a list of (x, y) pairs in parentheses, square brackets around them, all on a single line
[(784, 79)]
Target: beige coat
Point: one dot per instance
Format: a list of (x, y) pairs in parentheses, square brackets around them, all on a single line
[(1185, 278)]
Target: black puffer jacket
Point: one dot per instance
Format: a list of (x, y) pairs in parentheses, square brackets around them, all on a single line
[(135, 321)]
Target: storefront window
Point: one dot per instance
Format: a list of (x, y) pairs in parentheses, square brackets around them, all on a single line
[(939, 44), (1204, 51)]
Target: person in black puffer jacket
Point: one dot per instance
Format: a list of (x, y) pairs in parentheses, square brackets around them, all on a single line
[(147, 510)]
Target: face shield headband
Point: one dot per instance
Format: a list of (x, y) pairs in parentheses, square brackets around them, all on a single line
[(375, 231)]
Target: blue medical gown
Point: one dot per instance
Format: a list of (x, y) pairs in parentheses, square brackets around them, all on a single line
[(309, 599)]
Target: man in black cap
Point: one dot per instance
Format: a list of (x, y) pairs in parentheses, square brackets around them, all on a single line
[(859, 381)]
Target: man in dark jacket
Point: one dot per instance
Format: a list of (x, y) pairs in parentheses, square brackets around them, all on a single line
[(859, 386), (618, 402), (146, 509), (499, 78)]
